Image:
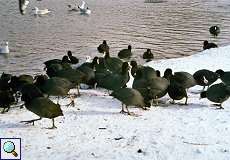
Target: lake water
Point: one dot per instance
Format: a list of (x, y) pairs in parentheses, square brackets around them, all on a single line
[(172, 28)]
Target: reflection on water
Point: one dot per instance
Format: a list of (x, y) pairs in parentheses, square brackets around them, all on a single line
[(170, 29)]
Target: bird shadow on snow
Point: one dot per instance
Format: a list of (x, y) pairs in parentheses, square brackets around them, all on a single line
[(13, 125), (91, 113), (183, 106)]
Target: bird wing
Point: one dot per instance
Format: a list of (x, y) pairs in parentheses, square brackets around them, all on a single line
[(82, 6)]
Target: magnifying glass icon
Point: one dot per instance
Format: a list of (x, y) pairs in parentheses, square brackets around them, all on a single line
[(9, 147)]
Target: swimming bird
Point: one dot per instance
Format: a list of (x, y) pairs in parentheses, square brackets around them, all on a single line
[(23, 5), (205, 77), (125, 53), (214, 30), (207, 45), (103, 48), (148, 55), (85, 11), (224, 76), (4, 49), (82, 6), (217, 93), (40, 12), (73, 8), (129, 97), (73, 59)]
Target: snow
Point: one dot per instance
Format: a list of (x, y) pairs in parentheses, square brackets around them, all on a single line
[(94, 128)]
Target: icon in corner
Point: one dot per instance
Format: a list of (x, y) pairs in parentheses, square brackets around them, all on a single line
[(10, 149)]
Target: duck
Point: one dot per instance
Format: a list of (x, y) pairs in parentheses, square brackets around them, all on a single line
[(125, 53), (148, 55), (40, 12), (207, 45), (214, 30), (217, 93), (23, 5), (129, 97), (205, 77), (103, 48), (224, 76), (4, 49)]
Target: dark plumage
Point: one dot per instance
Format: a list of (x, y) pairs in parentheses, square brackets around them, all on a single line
[(73, 75), (17, 82), (114, 81), (54, 86), (184, 79), (6, 99), (214, 30), (205, 77), (168, 73), (44, 108), (73, 59), (177, 92), (113, 64), (125, 53), (179, 82), (30, 91), (39, 105), (151, 87), (217, 93), (52, 61), (129, 97), (207, 45), (148, 55), (103, 48), (224, 76), (158, 73), (4, 83), (143, 71)]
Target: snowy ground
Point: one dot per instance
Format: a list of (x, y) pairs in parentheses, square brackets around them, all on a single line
[(98, 131)]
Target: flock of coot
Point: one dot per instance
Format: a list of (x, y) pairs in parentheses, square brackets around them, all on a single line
[(112, 74)]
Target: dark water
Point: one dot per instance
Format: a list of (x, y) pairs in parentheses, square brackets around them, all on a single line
[(172, 28)]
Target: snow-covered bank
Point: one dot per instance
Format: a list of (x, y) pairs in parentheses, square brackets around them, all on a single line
[(98, 131), (211, 59)]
